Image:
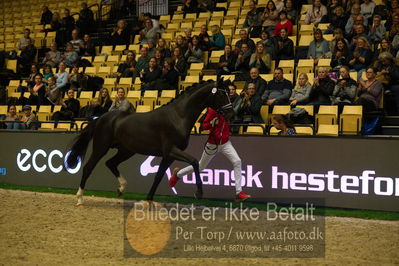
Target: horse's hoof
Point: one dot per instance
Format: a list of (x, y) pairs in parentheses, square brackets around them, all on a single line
[(119, 193), (198, 195), (79, 206)]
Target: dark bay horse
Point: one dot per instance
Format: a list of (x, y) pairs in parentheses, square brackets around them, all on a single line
[(162, 132)]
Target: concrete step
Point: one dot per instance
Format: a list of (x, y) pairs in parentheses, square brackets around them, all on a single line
[(391, 121), (390, 130)]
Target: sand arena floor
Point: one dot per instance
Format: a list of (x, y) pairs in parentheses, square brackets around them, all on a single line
[(47, 229)]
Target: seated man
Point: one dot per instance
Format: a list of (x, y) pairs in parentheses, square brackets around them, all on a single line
[(260, 83), (250, 105), (345, 90), (278, 91)]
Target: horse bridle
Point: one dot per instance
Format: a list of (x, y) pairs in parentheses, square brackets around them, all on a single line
[(225, 107)]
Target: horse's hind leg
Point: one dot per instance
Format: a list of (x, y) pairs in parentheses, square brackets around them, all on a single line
[(98, 152), (113, 163), (165, 163)]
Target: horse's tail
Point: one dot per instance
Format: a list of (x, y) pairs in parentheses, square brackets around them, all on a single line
[(80, 145)]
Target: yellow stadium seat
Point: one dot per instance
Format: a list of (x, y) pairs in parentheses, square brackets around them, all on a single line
[(189, 80), (264, 112), (351, 120), (308, 108), (143, 108), (166, 96), (109, 83), (112, 60), (305, 66), (305, 40), (273, 131), (125, 83), (287, 65), (46, 126), (209, 77), (255, 130), (3, 109), (99, 60), (104, 71), (327, 130), (327, 115), (304, 130), (106, 49), (119, 49), (134, 97), (150, 98), (195, 69), (91, 71), (280, 110), (215, 56), (229, 77)]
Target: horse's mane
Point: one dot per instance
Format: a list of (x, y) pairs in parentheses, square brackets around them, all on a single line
[(190, 89)]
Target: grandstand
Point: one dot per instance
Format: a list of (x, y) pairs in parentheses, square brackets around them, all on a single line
[(230, 16)]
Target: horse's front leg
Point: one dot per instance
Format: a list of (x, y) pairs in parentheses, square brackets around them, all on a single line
[(165, 163)]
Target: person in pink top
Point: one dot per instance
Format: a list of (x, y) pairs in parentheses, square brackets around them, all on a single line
[(218, 141)]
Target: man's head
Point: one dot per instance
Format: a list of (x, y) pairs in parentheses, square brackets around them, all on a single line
[(26, 33), (251, 90), (144, 52), (75, 34), (71, 94), (254, 73), (244, 48), (83, 5), (27, 110), (278, 74), (243, 34)]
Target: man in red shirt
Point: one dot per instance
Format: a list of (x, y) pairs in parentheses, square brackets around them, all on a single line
[(218, 141)]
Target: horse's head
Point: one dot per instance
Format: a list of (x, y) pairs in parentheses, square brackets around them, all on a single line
[(221, 100)]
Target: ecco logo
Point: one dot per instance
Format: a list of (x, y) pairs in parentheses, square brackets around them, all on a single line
[(24, 164)]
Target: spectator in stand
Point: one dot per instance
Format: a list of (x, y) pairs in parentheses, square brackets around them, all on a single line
[(284, 46), (284, 23), (367, 9), (142, 62), (55, 25), (190, 6), (78, 80), (394, 28), (163, 47), (202, 36), (76, 41), (121, 34), (318, 48), (47, 15), (127, 68), (227, 61), (149, 32), (331, 6), (179, 62), (181, 43), (14, 119), (292, 13), (149, 75), (244, 39), (53, 94), (258, 81), (340, 56), (29, 119), (345, 90), (52, 57), (249, 106), (70, 57), (361, 57), (370, 91), (103, 103), (377, 32), (27, 57), (37, 92), (155, 23), (388, 74), (261, 59), (22, 41), (67, 25), (121, 103), (253, 20), (47, 73), (62, 81), (188, 35), (217, 40), (86, 19), (268, 43), (385, 46), (34, 69), (338, 35), (338, 20), (88, 48), (194, 53), (301, 93), (316, 13), (159, 57), (382, 9), (242, 62), (283, 123), (151, 48), (279, 5), (70, 108), (270, 17), (278, 90), (169, 79), (322, 90), (354, 19)]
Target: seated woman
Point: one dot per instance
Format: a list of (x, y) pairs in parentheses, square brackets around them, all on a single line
[(121, 103), (159, 57), (163, 48), (300, 94), (53, 93), (14, 119), (37, 92), (70, 57), (169, 79), (227, 61), (217, 41), (179, 62), (149, 75), (261, 59), (283, 123), (361, 57), (250, 105), (194, 53), (52, 57), (318, 47), (323, 88), (292, 13), (47, 73), (103, 103), (270, 17), (283, 23), (385, 46), (127, 68), (370, 91), (284, 46), (62, 78), (268, 44), (340, 55), (345, 90), (181, 43)]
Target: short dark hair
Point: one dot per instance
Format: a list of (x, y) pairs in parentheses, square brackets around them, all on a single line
[(279, 68)]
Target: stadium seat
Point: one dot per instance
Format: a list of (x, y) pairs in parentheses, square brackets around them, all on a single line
[(166, 96), (327, 115), (195, 69), (63, 127), (112, 60), (264, 112), (273, 131), (118, 49), (215, 56), (255, 130), (308, 108), (189, 81), (3, 109), (209, 77), (149, 98), (109, 83), (327, 130), (351, 120), (280, 110), (137, 84), (104, 71), (287, 65), (305, 40), (91, 71), (125, 83), (304, 130), (46, 126), (134, 97), (106, 49), (304, 66), (229, 77), (143, 108), (99, 60)]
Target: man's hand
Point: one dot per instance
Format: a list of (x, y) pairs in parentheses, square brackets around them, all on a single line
[(214, 121)]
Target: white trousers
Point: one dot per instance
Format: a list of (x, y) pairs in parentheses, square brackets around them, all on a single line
[(228, 150)]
